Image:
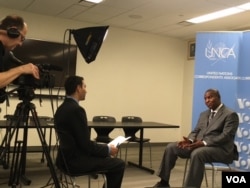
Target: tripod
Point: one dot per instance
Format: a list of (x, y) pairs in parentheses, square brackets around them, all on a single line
[(18, 164)]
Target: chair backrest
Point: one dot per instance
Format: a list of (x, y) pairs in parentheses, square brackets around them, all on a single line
[(104, 119), (102, 132), (64, 142), (64, 145), (131, 131), (135, 119)]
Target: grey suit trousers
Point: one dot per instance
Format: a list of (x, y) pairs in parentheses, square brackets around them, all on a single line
[(198, 158)]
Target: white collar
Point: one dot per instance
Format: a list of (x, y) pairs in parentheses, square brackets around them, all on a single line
[(217, 109)]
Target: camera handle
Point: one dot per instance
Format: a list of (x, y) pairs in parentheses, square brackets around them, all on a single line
[(20, 118)]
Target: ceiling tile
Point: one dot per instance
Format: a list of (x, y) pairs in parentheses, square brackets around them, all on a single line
[(161, 17)]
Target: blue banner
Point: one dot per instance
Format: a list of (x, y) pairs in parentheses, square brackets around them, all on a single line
[(222, 62)]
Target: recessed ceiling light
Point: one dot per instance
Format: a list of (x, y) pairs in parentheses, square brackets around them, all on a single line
[(94, 1), (220, 14)]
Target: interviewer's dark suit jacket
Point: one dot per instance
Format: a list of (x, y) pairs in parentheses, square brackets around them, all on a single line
[(80, 152), (220, 132)]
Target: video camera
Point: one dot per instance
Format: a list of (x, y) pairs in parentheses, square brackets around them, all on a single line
[(27, 83), (46, 80)]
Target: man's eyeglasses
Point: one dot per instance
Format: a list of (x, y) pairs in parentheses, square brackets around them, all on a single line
[(22, 37)]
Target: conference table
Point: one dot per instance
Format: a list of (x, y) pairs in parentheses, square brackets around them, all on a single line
[(141, 126)]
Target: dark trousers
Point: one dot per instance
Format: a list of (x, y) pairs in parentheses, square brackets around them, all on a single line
[(113, 168)]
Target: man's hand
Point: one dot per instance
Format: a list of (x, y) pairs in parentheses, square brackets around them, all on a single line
[(184, 143), (113, 150), (195, 145), (30, 69)]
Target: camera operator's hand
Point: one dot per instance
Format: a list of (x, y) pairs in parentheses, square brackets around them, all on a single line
[(30, 69), (7, 77)]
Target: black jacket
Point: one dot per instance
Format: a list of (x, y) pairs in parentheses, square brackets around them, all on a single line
[(81, 153)]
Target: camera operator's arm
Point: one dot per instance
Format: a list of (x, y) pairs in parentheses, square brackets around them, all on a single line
[(10, 75)]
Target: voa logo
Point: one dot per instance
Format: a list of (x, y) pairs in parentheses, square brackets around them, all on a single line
[(242, 141), (244, 118), (236, 179), (219, 51), (232, 178), (243, 133), (243, 147), (242, 163), (244, 104)]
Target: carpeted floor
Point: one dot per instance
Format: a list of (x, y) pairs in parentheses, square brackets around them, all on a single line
[(38, 173)]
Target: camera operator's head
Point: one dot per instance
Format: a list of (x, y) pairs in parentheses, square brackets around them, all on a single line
[(12, 34), (13, 30)]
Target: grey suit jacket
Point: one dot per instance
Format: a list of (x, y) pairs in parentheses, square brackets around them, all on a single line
[(220, 132)]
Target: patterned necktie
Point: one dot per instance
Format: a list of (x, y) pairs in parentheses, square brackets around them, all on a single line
[(211, 116)]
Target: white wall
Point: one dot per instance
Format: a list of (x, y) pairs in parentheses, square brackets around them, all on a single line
[(134, 74)]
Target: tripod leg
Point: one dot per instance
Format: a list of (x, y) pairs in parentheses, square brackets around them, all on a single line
[(10, 131), (25, 116), (16, 165), (19, 163), (44, 145), (5, 147)]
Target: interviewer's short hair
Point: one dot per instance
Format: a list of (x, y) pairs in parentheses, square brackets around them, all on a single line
[(71, 84)]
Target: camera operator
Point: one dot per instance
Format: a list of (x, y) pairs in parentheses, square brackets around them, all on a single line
[(13, 30)]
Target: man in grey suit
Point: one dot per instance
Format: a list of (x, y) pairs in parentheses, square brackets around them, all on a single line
[(212, 140)]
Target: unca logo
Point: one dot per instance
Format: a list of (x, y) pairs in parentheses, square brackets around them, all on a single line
[(219, 51)]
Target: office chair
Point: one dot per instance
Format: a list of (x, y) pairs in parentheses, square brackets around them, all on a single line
[(209, 166), (67, 176), (129, 131), (214, 166), (185, 173), (217, 167), (103, 132)]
